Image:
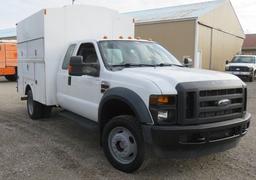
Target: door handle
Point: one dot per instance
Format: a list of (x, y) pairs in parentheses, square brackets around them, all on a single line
[(104, 86), (69, 80)]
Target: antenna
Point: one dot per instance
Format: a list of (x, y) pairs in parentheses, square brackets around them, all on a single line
[(73, 2)]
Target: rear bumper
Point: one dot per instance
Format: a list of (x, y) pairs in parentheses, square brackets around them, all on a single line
[(196, 140)]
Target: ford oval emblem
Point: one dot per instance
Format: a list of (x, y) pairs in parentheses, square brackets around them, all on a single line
[(224, 102)]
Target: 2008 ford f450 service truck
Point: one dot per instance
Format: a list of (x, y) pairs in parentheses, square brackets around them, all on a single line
[(136, 91)]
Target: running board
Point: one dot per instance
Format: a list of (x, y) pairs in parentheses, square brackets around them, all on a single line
[(88, 124)]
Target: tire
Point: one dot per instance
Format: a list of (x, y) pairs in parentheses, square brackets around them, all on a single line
[(35, 109), (12, 78), (251, 79), (119, 132)]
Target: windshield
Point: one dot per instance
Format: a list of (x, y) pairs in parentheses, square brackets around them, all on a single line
[(135, 53), (243, 59)]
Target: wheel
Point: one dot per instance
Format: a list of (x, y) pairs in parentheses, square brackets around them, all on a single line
[(35, 109), (11, 77), (123, 143), (251, 79)]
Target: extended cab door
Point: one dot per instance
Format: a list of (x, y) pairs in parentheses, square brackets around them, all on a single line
[(81, 94)]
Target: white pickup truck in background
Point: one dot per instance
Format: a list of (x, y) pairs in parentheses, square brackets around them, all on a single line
[(84, 60), (243, 66)]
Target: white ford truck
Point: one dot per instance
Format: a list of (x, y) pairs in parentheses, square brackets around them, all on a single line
[(84, 60), (243, 66)]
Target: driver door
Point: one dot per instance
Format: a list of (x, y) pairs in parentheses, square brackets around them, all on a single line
[(82, 93)]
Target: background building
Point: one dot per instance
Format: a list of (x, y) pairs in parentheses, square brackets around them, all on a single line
[(249, 46), (8, 34), (209, 32)]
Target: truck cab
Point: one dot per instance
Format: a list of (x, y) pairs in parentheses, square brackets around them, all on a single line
[(136, 92), (243, 66)]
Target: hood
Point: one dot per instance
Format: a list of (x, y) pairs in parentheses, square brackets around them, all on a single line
[(166, 78), (241, 64)]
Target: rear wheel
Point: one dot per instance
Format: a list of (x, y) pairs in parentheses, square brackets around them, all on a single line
[(123, 143), (35, 109), (11, 77)]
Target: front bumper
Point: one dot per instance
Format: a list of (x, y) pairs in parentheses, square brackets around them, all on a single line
[(238, 73), (196, 140)]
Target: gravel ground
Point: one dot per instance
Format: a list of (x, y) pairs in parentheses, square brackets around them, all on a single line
[(58, 148)]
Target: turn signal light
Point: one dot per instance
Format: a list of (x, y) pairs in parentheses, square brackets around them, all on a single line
[(162, 100)]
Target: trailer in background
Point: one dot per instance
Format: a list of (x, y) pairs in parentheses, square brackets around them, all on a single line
[(8, 60)]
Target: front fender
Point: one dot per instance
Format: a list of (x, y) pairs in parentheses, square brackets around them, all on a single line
[(132, 99)]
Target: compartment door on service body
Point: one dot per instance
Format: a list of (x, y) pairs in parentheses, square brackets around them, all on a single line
[(80, 94)]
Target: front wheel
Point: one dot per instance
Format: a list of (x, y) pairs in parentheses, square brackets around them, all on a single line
[(251, 79), (123, 143)]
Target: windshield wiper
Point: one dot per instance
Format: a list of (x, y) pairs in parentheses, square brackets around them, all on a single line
[(127, 65), (163, 64)]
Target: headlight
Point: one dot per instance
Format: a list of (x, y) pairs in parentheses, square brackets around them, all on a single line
[(227, 68), (163, 109)]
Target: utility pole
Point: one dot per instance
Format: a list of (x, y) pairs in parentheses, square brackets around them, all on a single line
[(73, 2)]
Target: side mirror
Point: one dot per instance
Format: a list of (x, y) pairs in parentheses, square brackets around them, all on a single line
[(76, 65), (227, 62), (188, 62)]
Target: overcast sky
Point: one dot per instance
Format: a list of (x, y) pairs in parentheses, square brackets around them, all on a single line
[(12, 11)]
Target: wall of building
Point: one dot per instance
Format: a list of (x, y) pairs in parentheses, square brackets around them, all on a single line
[(177, 36), (224, 19), (8, 38), (220, 36), (217, 47)]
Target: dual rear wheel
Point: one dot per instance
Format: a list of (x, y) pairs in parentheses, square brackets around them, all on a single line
[(35, 109)]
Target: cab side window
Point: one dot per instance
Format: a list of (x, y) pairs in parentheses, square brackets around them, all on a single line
[(87, 50), (68, 55)]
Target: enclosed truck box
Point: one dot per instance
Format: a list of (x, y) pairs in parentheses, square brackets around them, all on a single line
[(8, 60), (43, 37), (84, 60)]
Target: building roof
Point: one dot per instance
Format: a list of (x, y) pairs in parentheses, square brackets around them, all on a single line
[(6, 33), (250, 41), (187, 11)]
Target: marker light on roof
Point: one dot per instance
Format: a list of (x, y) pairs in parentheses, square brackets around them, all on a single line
[(121, 37), (129, 37), (105, 37)]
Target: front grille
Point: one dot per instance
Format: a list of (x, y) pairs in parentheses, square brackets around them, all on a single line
[(207, 103), (239, 68)]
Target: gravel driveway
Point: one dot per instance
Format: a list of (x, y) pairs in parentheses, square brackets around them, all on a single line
[(58, 148)]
